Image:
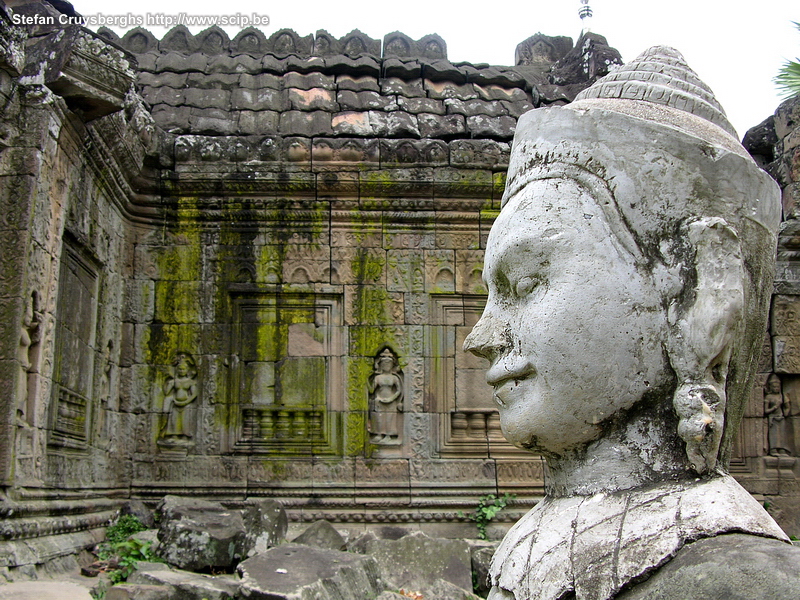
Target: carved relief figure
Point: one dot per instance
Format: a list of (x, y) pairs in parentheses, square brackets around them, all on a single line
[(386, 400), (28, 356), (180, 391), (776, 409), (629, 278)]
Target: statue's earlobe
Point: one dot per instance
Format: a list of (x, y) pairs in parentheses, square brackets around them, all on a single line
[(703, 324)]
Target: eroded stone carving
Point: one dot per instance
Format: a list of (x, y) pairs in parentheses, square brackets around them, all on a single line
[(628, 292), (180, 391), (29, 345), (386, 400), (777, 408)]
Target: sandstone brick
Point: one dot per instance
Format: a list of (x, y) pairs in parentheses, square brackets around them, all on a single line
[(305, 124), (495, 92), (518, 108), (181, 63), (172, 119), (394, 124), (157, 80), (312, 99), (222, 81), (211, 121), (492, 127), (471, 108), (164, 95), (307, 82), (367, 100), (445, 89), (352, 123), (263, 122), (262, 80), (259, 99), (220, 99), (421, 105), (441, 126), (241, 63), (409, 89), (357, 84)]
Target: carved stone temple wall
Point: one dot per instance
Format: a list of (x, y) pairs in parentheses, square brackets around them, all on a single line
[(245, 267)]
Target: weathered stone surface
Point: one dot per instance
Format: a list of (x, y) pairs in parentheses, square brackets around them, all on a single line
[(185, 585), (265, 524), (134, 591), (293, 572), (321, 534), (722, 567), (197, 535), (416, 560)]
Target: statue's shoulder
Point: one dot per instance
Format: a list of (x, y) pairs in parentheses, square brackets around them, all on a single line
[(732, 566)]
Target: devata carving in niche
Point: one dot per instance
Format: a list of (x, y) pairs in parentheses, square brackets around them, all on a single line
[(629, 275), (28, 356), (180, 391), (776, 408), (385, 400)]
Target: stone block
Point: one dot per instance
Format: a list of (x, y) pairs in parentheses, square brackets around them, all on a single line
[(445, 89), (321, 534), (407, 152), (362, 65), (259, 99), (352, 123), (212, 121), (312, 99), (786, 354), (195, 534), (185, 585), (305, 124), (263, 122), (213, 98), (441, 126), (266, 524), (262, 80), (293, 571), (403, 69), (471, 108), (415, 561), (518, 108), (394, 124), (215, 81), (134, 591), (239, 64), (753, 437), (366, 100), (357, 84), (181, 63), (167, 79), (787, 117), (173, 119), (495, 92), (785, 315), (409, 89), (310, 81), (491, 127)]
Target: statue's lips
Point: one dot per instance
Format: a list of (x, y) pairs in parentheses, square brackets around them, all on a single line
[(506, 385)]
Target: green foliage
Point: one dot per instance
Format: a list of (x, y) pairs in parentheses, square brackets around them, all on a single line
[(123, 551), (487, 509), (124, 528), (126, 556), (788, 78)]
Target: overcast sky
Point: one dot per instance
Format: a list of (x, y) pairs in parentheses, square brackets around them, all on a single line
[(735, 46)]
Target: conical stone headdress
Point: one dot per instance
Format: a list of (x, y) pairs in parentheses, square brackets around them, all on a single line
[(660, 75)]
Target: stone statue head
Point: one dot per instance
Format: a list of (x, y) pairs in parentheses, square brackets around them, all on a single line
[(629, 269)]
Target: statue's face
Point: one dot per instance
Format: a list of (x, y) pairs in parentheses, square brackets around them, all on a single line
[(572, 329)]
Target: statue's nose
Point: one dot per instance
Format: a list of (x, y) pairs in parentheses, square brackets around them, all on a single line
[(488, 337)]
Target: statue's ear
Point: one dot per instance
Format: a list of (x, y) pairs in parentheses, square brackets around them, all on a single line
[(704, 320)]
